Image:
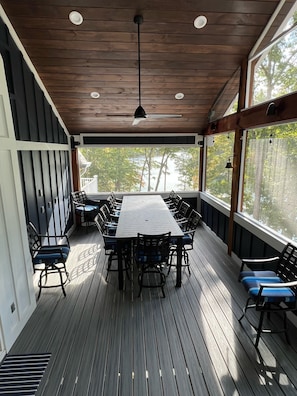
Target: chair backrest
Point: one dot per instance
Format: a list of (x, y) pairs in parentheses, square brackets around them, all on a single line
[(105, 211), (172, 194), (193, 220), (79, 197), (177, 200), (33, 238), (184, 209), (100, 223), (111, 200), (152, 249), (287, 265)]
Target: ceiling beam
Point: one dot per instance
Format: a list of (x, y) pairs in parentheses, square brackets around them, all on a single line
[(256, 117)]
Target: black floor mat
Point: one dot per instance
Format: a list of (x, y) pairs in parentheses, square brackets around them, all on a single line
[(21, 374)]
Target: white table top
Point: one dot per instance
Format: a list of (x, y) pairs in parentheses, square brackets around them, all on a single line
[(146, 214)]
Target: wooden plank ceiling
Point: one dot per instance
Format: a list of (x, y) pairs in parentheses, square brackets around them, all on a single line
[(101, 55)]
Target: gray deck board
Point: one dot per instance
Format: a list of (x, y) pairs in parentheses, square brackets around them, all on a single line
[(151, 340), (111, 343), (185, 323)]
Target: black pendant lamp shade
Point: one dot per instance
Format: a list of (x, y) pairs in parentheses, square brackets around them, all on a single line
[(229, 164), (139, 112)]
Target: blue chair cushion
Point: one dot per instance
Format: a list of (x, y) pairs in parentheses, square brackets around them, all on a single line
[(257, 274), (111, 230), (44, 255), (269, 294), (272, 295), (251, 282), (173, 241), (87, 208), (187, 239), (110, 244), (142, 258)]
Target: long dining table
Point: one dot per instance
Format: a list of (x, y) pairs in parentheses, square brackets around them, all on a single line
[(146, 214)]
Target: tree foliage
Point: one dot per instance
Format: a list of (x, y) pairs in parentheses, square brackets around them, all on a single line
[(142, 169), (270, 178), (275, 71), (218, 178)]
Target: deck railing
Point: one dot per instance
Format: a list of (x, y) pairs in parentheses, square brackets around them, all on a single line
[(89, 184)]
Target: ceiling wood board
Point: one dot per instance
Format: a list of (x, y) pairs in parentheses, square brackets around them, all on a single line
[(101, 55)]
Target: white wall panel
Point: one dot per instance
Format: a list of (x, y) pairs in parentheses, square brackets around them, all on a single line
[(17, 298)]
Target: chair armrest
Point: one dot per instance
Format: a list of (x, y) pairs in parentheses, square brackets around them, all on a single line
[(78, 203), (182, 224), (112, 237), (191, 232), (62, 238), (92, 202), (114, 216), (283, 292), (278, 285), (111, 224), (260, 264), (47, 249)]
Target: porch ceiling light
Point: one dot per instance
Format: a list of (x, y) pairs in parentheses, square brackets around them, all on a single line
[(95, 95), (179, 96), (271, 109), (76, 18), (200, 22), (229, 164)]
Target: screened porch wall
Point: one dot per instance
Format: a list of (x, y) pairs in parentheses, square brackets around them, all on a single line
[(245, 242)]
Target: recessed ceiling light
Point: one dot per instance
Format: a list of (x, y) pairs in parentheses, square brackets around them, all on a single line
[(95, 95), (179, 96), (76, 18), (200, 22)]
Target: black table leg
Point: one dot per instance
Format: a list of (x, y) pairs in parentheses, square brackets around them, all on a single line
[(179, 262), (120, 244)]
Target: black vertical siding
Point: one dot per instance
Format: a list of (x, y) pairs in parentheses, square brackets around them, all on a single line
[(34, 119), (216, 220), (46, 205), (30, 103), (45, 174), (245, 243)]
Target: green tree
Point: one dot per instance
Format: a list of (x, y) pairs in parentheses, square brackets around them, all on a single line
[(187, 162), (218, 178), (275, 71), (114, 168), (133, 169), (270, 187)]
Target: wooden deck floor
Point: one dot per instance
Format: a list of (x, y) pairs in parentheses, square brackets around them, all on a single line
[(107, 342)]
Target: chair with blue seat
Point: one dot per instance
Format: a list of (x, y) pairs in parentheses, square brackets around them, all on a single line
[(115, 201), (151, 255), (175, 205), (49, 255), (85, 208), (189, 227), (107, 232), (182, 213), (113, 207), (110, 216), (169, 200), (271, 286)]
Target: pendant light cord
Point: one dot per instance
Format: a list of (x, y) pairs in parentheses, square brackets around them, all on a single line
[(139, 82)]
